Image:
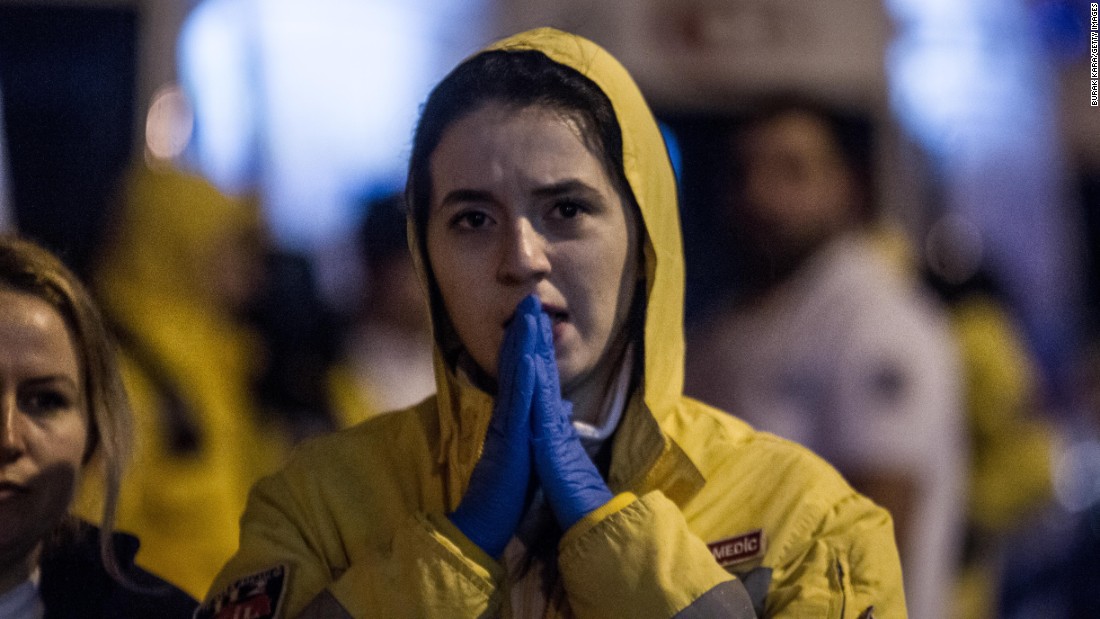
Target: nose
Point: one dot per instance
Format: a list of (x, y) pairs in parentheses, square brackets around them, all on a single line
[(11, 439), (523, 255)]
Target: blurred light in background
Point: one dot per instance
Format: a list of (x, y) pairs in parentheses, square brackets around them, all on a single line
[(314, 103), (169, 123), (1077, 475), (953, 249), (218, 66), (963, 76), (973, 83)]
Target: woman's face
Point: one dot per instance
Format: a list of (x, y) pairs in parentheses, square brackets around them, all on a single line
[(520, 205), (43, 423)]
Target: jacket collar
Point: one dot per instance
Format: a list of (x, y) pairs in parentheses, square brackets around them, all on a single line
[(646, 458)]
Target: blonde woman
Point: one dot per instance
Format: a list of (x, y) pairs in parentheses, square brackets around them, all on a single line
[(63, 416)]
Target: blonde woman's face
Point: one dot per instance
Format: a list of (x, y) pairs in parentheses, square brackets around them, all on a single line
[(521, 205), (43, 421)]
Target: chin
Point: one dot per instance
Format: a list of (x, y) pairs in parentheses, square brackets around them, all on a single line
[(570, 376)]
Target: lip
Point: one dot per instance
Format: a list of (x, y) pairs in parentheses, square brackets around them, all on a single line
[(9, 489), (559, 318), (557, 314)]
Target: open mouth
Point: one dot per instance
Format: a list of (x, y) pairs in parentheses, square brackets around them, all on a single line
[(557, 316)]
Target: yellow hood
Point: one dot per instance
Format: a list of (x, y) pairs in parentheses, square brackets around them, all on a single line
[(164, 238), (464, 410)]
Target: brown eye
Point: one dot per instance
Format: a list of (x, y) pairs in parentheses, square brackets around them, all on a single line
[(470, 220), (569, 209), (44, 402), (475, 220)]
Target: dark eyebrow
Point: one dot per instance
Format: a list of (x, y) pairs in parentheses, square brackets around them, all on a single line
[(461, 196), (40, 381), (465, 195), (563, 188)]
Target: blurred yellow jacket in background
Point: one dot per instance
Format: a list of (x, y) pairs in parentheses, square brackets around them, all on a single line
[(170, 280)]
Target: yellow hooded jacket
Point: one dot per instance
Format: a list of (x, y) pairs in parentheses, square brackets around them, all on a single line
[(355, 525), (185, 489)]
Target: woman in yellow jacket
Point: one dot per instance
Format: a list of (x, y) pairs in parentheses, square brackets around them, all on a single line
[(558, 471), (172, 282)]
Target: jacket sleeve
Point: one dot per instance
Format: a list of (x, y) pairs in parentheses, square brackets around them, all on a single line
[(428, 570), (848, 568), (636, 557)]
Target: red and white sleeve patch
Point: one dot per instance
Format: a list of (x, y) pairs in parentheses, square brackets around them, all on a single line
[(739, 549), (257, 596)]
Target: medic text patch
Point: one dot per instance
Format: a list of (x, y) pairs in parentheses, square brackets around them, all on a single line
[(738, 549), (253, 597)]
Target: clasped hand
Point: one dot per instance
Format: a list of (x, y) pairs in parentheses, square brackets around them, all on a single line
[(530, 442)]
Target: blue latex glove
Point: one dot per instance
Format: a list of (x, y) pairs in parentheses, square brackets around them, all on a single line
[(498, 494), (572, 484)]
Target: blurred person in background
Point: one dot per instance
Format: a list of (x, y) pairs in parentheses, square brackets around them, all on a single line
[(301, 345), (177, 278), (64, 418), (1010, 442), (388, 348), (829, 344), (1054, 567), (1081, 577)]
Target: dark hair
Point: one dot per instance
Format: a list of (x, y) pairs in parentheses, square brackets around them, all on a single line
[(381, 234), (520, 79), (515, 78), (27, 268), (851, 133)]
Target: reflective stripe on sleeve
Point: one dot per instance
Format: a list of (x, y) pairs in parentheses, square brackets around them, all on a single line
[(727, 599), (324, 606)]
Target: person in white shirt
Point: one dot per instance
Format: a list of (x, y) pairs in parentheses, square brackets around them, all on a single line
[(830, 345)]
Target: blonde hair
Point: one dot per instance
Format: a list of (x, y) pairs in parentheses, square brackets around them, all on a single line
[(27, 268)]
